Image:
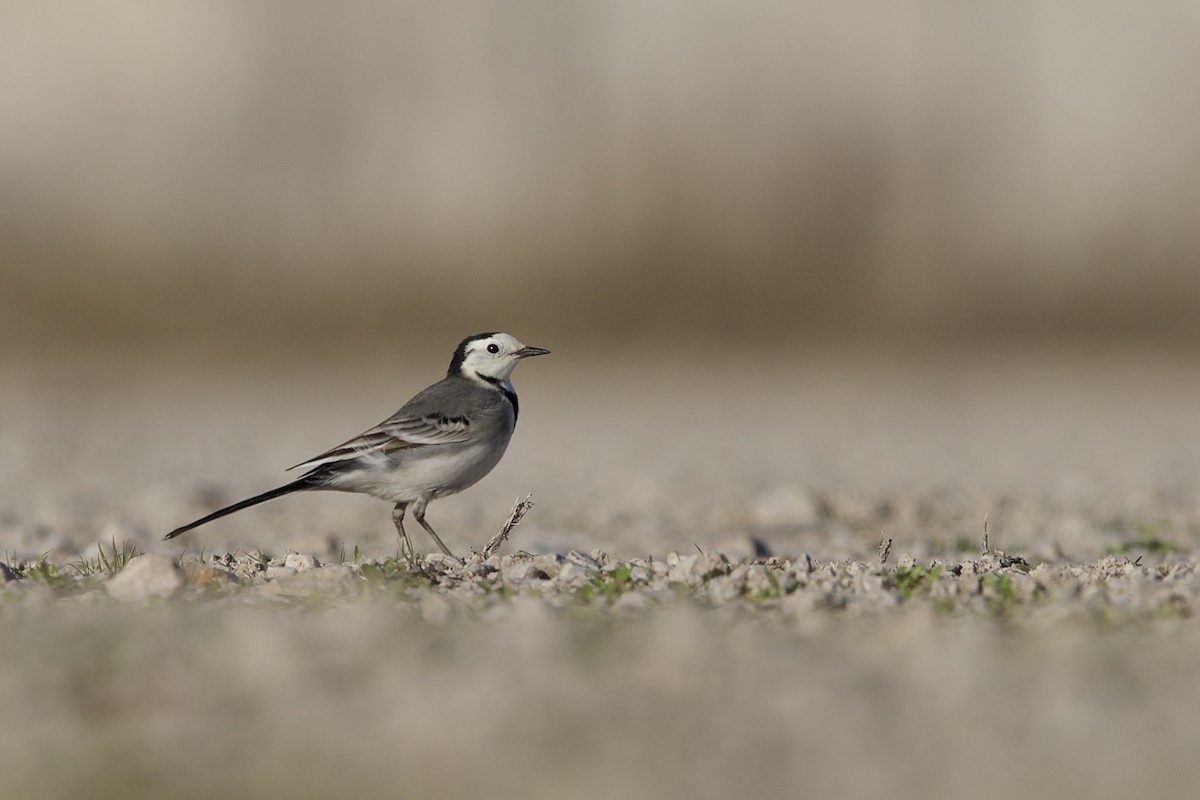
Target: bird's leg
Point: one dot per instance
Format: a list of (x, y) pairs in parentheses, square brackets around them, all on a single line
[(406, 547), (419, 513)]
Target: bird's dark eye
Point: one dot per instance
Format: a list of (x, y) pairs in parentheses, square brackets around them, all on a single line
[(493, 348)]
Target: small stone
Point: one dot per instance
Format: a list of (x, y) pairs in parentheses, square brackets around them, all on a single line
[(572, 573), (550, 564), (478, 569), (639, 574), (695, 569), (300, 561), (583, 560), (520, 572), (275, 572), (335, 580), (441, 561), (681, 567), (144, 577), (206, 576)]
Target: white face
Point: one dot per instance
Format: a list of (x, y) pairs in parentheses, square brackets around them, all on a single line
[(495, 356)]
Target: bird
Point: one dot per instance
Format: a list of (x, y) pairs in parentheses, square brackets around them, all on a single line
[(443, 440)]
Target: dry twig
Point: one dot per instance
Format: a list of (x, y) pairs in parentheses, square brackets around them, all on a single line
[(519, 510), (885, 550)]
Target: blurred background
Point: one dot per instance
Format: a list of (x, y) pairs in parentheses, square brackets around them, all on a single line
[(257, 174), (813, 274)]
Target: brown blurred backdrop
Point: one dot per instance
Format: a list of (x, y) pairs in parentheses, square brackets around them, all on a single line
[(259, 173)]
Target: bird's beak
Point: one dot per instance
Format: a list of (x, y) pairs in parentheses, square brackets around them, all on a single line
[(526, 352)]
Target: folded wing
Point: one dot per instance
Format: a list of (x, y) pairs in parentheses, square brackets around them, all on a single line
[(399, 432)]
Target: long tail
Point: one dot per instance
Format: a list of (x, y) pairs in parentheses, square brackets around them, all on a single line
[(299, 485)]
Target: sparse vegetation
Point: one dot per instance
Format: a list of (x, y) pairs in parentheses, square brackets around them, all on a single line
[(40, 570), (599, 581), (769, 589), (396, 574), (909, 580), (607, 586), (110, 563), (999, 594)]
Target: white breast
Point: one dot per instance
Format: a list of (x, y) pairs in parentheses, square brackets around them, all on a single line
[(424, 472)]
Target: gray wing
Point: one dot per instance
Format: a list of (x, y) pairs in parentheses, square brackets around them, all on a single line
[(452, 411)]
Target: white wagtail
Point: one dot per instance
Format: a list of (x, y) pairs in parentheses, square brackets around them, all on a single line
[(442, 441)]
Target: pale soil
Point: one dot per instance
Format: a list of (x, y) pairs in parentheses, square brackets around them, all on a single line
[(834, 685)]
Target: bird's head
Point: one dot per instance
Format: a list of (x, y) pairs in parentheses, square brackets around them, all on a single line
[(490, 357)]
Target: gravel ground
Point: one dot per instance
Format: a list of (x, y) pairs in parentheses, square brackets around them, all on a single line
[(585, 675), (697, 606)]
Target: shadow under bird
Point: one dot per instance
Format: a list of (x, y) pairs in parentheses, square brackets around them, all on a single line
[(440, 442)]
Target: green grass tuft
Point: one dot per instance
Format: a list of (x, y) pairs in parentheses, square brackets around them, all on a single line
[(109, 563), (999, 595), (606, 586), (41, 570), (395, 574), (908, 580)]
